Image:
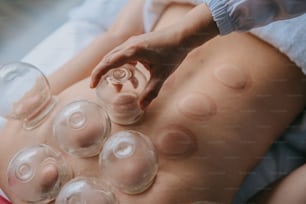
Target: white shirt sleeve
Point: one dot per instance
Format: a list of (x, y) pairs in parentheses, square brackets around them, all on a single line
[(243, 15)]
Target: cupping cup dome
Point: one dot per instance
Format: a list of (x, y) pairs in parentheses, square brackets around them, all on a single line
[(86, 190), (129, 161), (81, 128), (37, 173), (25, 94), (119, 90)]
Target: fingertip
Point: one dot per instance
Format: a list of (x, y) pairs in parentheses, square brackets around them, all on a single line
[(93, 80), (96, 82), (92, 85), (96, 75)]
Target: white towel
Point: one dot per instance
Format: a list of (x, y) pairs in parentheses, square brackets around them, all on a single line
[(288, 35)]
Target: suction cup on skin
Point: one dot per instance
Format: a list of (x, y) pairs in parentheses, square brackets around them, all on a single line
[(81, 128), (26, 94), (86, 190), (37, 173), (119, 90), (129, 161)]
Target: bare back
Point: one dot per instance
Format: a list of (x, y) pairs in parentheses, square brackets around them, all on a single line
[(227, 102)]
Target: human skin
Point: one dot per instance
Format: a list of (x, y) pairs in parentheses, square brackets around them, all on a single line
[(160, 51), (214, 119), (163, 51)]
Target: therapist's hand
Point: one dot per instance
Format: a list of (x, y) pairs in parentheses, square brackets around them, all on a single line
[(160, 52)]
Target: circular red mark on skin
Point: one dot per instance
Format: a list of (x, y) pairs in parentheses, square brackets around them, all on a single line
[(232, 77), (197, 106), (175, 141)]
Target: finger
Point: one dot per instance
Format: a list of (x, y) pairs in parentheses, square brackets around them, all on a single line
[(101, 69), (122, 56), (132, 62), (150, 92), (95, 78), (115, 59), (98, 72)]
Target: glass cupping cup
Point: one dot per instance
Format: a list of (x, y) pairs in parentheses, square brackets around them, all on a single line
[(25, 94), (129, 161), (37, 173), (81, 127), (119, 90), (86, 190)]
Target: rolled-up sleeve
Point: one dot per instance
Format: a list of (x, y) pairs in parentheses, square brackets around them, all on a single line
[(243, 15)]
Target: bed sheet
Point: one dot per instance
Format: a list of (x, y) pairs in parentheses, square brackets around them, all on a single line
[(91, 19)]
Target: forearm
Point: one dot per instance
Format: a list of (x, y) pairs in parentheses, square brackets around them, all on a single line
[(195, 28), (127, 24), (243, 15)]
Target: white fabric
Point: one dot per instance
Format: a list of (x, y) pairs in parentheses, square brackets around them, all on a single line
[(243, 15), (233, 15), (276, 33), (289, 37)]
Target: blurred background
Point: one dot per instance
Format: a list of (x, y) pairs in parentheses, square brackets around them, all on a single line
[(25, 23)]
